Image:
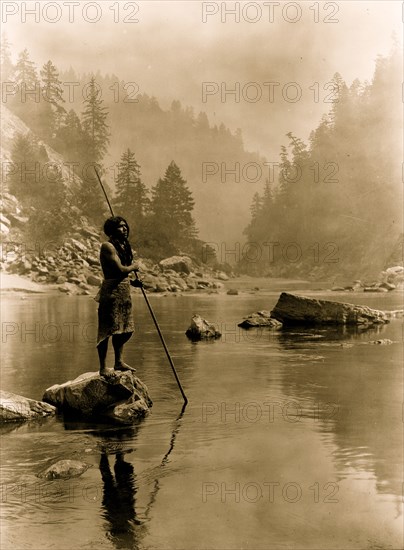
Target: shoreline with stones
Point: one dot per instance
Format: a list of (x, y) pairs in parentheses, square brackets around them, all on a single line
[(74, 268)]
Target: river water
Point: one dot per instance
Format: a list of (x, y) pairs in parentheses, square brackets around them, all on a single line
[(291, 439)]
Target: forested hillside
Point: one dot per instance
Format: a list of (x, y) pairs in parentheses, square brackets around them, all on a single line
[(332, 205), (336, 205), (96, 118)]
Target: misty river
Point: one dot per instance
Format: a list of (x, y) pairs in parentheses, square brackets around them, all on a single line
[(291, 439)]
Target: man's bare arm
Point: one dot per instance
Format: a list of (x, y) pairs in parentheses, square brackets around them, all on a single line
[(110, 256)]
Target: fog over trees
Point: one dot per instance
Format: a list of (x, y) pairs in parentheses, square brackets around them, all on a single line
[(337, 195)]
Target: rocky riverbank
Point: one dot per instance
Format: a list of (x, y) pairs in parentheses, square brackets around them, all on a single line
[(390, 279), (73, 267)]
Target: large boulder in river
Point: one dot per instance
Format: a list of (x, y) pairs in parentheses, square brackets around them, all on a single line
[(201, 329), (292, 309), (91, 395), (180, 264), (16, 408), (260, 319)]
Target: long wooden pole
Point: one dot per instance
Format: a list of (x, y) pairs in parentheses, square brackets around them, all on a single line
[(105, 193), (163, 342), (149, 307)]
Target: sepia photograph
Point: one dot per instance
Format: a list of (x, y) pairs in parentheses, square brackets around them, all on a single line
[(201, 275)]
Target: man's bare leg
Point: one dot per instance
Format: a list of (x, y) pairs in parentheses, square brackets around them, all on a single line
[(102, 349), (118, 341)]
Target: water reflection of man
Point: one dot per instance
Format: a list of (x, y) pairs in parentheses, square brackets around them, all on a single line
[(119, 500)]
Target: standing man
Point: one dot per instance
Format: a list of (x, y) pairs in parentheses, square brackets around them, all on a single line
[(115, 304)]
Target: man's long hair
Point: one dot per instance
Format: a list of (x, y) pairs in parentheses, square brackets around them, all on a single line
[(123, 248)]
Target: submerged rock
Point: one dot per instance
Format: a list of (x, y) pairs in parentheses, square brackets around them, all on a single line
[(292, 309), (260, 319), (397, 313), (130, 410), (375, 289), (91, 395), (64, 469), (201, 329), (232, 292), (16, 408), (387, 286)]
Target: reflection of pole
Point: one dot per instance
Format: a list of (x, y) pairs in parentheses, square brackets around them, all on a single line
[(173, 436), (164, 460), (150, 308)]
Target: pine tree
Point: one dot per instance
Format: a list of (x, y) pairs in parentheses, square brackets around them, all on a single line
[(284, 171), (23, 181), (268, 198), (52, 216), (6, 64), (89, 197), (338, 96), (131, 193), (70, 141), (261, 215), (27, 102), (202, 122), (25, 72), (70, 138), (43, 117), (256, 206), (94, 124), (96, 140), (52, 93), (51, 85), (171, 207)]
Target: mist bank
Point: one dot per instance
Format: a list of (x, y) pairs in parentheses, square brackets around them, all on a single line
[(320, 209), (336, 207)]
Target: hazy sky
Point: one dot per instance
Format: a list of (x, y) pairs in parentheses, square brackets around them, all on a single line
[(170, 52)]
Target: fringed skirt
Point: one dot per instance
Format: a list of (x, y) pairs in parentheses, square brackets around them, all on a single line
[(115, 309)]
